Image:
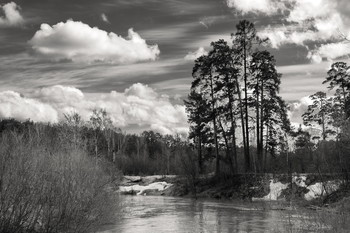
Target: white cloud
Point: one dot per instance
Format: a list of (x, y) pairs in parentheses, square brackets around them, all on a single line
[(138, 105), (289, 35), (104, 18), (12, 16), (277, 36), (319, 21), (314, 57), (330, 51), (59, 94), (297, 109), (13, 105), (77, 41), (141, 91), (64, 99), (268, 7), (191, 56), (310, 9)]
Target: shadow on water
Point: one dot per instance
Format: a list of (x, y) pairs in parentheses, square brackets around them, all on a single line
[(169, 214)]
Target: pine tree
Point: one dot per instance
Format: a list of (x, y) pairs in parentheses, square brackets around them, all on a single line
[(244, 40)]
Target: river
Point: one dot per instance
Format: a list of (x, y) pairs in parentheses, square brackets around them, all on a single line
[(148, 214)]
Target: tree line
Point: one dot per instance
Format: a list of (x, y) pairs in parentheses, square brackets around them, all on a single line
[(147, 153)]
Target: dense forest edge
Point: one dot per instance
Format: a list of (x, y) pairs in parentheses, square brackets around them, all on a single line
[(61, 177)]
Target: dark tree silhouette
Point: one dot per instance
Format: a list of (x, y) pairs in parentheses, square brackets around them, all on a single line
[(196, 108), (244, 40), (265, 85)]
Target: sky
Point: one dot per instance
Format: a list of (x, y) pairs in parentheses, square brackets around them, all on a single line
[(134, 58)]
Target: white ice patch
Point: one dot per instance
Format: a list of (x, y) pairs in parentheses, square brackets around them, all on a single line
[(315, 190), (299, 180), (319, 189), (133, 178), (276, 189), (158, 186)]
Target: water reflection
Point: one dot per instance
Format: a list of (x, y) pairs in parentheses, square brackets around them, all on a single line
[(169, 214)]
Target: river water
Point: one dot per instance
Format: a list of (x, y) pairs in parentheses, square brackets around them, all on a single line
[(169, 214)]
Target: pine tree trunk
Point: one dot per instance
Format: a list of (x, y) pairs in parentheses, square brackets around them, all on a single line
[(266, 146), (259, 155), (242, 119), (261, 145), (200, 160), (228, 156), (233, 132), (113, 147), (217, 166), (247, 153)]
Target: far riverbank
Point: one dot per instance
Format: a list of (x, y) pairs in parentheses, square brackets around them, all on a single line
[(306, 189)]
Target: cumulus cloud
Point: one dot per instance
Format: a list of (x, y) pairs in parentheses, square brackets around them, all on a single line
[(13, 105), (303, 21), (330, 51), (310, 9), (279, 36), (297, 109), (104, 18), (191, 56), (77, 41), (268, 7), (12, 16), (137, 105), (307, 24)]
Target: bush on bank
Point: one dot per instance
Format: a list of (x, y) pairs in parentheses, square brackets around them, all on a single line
[(49, 184)]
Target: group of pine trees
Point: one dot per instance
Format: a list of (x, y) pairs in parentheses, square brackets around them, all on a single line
[(234, 108), (234, 100)]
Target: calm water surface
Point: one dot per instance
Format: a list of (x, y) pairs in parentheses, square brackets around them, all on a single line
[(168, 214)]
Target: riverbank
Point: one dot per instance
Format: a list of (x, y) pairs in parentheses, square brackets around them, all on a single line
[(310, 189)]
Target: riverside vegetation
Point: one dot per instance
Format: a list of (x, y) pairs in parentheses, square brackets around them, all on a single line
[(57, 177), (49, 182)]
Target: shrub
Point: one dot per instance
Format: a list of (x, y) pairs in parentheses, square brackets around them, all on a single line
[(42, 190)]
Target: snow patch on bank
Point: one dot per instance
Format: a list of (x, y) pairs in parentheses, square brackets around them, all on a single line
[(276, 189), (299, 180), (140, 189), (319, 189), (133, 178), (313, 191)]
